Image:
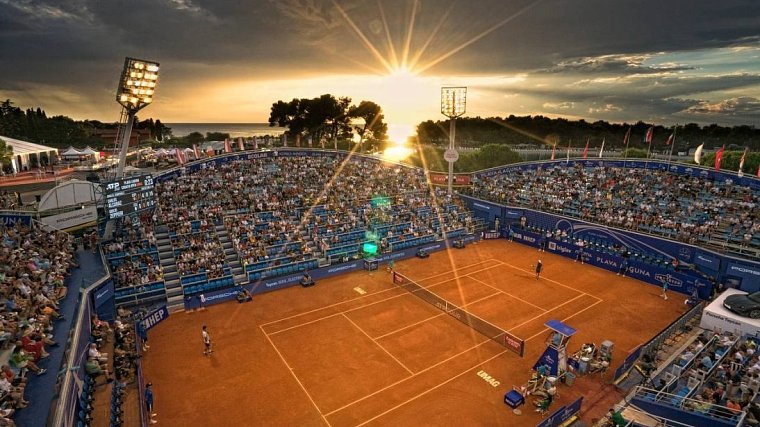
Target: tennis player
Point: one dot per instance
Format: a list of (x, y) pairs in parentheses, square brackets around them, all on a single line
[(206, 341), (539, 267)]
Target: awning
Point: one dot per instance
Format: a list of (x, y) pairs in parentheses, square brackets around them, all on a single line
[(24, 147)]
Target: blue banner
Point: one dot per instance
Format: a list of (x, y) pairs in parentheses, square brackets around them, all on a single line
[(10, 220), (511, 213), (707, 260), (154, 318), (222, 295), (562, 414), (103, 293), (627, 363)]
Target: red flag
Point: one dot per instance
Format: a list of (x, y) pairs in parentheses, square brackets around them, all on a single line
[(241, 146), (670, 140), (180, 156), (585, 150), (196, 151), (719, 157), (650, 134), (758, 171), (554, 149), (210, 151), (227, 145), (627, 137)]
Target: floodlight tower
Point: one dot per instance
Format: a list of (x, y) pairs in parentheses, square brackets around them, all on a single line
[(135, 92), (453, 105)]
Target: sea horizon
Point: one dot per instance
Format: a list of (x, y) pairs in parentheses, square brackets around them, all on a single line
[(234, 129)]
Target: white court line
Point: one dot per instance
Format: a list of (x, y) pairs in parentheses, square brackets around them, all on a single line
[(378, 344), (430, 389), (458, 268), (433, 317), (566, 318), (295, 377), (405, 379), (378, 292), (543, 278), (507, 293), (355, 308), (547, 311)]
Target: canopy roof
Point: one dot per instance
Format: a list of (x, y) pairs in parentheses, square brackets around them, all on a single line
[(24, 147), (71, 151)]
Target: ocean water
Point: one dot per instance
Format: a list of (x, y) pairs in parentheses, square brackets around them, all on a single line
[(234, 129)]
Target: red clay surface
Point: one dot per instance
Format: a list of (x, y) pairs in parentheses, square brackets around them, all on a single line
[(330, 355)]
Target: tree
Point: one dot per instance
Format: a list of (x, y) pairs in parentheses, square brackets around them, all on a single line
[(373, 126), (6, 153), (217, 136)]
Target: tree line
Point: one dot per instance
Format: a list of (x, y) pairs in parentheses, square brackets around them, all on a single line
[(545, 131), (34, 125)]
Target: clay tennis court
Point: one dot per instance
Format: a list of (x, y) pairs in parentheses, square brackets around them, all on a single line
[(358, 350)]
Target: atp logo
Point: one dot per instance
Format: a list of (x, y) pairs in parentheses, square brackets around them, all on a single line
[(685, 252), (548, 359)]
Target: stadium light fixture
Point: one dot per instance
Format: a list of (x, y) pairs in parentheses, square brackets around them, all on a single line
[(453, 105), (137, 87)]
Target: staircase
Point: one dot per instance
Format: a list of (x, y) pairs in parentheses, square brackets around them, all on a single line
[(230, 255), (174, 295)]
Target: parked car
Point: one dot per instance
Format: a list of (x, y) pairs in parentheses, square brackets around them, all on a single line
[(747, 305)]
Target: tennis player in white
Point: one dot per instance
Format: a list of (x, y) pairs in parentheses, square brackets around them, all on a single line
[(206, 341)]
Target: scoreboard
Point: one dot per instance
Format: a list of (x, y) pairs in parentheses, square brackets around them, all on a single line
[(129, 195)]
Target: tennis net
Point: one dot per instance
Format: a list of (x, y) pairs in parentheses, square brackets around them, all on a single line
[(486, 328)]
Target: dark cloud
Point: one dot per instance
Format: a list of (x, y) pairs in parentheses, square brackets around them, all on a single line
[(78, 45), (613, 64)]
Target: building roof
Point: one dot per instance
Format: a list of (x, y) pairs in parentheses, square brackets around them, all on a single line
[(24, 147)]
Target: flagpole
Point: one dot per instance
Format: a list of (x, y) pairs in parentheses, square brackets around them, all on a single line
[(672, 143)]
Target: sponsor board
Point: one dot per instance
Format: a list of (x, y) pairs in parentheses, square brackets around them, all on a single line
[(71, 219), (562, 414), (9, 220), (103, 293), (443, 179), (154, 318)]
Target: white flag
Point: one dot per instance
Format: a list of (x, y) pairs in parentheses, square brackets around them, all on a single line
[(698, 154), (601, 150)]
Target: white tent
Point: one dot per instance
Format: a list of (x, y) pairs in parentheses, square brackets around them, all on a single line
[(71, 152), (24, 152), (89, 152)]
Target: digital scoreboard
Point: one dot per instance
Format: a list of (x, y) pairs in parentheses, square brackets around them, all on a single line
[(129, 195)]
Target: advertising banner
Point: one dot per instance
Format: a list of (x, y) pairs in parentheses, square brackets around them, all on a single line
[(562, 414), (103, 293), (155, 317), (460, 180), (71, 219), (9, 219), (748, 273)]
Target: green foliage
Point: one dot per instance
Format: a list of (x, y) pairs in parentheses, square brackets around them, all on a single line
[(634, 153), (328, 118), (730, 161), (216, 136), (60, 131), (6, 153), (488, 156), (540, 130)]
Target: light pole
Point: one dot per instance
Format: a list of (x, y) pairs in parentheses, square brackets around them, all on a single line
[(453, 105), (136, 88)]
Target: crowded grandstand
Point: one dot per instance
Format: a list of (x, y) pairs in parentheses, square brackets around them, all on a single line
[(245, 221)]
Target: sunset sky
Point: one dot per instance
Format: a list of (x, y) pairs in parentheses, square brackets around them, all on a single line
[(664, 61)]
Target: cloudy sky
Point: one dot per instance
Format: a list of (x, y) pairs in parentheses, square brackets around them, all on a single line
[(663, 61)]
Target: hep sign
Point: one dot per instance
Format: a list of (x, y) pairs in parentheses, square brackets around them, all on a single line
[(154, 318)]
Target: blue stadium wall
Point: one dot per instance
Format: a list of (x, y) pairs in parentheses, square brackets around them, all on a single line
[(745, 274)]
